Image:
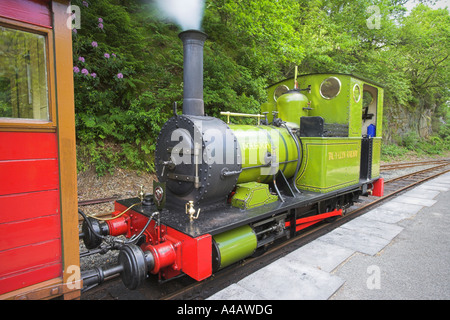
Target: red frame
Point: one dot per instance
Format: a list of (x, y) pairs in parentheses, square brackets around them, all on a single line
[(174, 251), (36, 12)]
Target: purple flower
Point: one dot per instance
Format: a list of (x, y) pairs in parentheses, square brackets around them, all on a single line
[(100, 25), (85, 4), (106, 55), (120, 75), (81, 59), (93, 75), (74, 30), (76, 69), (85, 72), (113, 54), (100, 20), (94, 44)]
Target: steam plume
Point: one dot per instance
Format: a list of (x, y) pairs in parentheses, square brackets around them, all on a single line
[(188, 14)]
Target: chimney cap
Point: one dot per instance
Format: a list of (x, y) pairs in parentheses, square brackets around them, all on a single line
[(193, 34)]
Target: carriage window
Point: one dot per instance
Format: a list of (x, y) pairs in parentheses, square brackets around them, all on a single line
[(23, 75)]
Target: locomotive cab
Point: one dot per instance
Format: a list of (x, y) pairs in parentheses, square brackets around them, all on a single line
[(340, 135)]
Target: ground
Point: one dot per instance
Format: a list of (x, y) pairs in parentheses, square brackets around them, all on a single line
[(122, 184), (411, 156)]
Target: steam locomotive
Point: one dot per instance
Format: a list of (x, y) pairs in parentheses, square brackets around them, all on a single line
[(226, 191)]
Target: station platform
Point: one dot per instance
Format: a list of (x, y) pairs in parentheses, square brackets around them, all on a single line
[(399, 250)]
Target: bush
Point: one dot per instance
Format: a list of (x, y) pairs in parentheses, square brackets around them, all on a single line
[(411, 140), (128, 71), (434, 145), (118, 116), (389, 151)]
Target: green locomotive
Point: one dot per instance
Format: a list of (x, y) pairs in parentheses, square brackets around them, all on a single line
[(226, 190)]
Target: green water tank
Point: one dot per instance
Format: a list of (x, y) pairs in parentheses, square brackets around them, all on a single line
[(291, 106), (233, 245)]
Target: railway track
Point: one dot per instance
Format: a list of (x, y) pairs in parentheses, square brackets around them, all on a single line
[(402, 165), (188, 289)]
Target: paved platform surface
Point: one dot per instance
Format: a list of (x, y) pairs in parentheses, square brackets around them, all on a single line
[(400, 250)]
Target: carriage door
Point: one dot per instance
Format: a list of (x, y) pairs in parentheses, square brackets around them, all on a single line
[(369, 120)]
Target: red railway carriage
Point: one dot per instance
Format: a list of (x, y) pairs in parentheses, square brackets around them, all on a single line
[(39, 254)]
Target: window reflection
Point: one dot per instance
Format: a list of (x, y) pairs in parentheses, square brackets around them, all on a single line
[(23, 75)]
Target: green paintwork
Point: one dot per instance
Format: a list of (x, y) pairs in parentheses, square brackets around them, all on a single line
[(252, 194), (344, 109), (256, 142), (329, 164), (292, 106), (380, 113), (269, 107), (332, 163), (235, 245)]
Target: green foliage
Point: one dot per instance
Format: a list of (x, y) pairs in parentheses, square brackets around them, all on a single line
[(435, 145), (118, 115), (411, 140), (389, 151), (104, 158), (251, 44)]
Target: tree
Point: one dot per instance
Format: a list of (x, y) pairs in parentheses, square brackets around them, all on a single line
[(425, 44), (251, 44)]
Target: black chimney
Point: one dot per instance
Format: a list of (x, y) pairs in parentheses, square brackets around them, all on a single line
[(193, 41)]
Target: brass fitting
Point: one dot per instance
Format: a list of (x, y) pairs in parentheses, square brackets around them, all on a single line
[(190, 210)]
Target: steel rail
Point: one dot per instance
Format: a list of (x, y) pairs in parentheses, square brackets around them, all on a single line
[(96, 201), (394, 166)]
